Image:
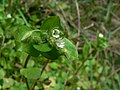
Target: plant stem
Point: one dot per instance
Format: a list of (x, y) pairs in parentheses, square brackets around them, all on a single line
[(26, 61), (25, 65), (46, 63), (27, 84)]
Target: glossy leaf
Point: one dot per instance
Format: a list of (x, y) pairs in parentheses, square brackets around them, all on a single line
[(28, 48), (53, 54), (27, 35), (43, 47), (70, 50), (30, 63), (20, 32), (50, 23)]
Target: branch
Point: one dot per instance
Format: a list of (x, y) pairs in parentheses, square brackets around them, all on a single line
[(25, 65), (43, 69), (26, 61), (79, 24), (78, 15), (112, 74)]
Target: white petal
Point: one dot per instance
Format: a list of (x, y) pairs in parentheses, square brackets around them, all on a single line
[(60, 43), (101, 35), (78, 88), (9, 16), (56, 36), (56, 33)]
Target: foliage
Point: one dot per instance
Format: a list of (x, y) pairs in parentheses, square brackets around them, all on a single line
[(38, 52)]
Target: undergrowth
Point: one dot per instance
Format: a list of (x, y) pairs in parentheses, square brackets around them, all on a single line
[(59, 45)]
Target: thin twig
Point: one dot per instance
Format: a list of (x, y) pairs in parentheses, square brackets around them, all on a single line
[(26, 61), (43, 69), (114, 15), (3, 40), (64, 20), (25, 65), (46, 63), (78, 15), (89, 26), (116, 30), (79, 24), (78, 69), (112, 74), (27, 84)]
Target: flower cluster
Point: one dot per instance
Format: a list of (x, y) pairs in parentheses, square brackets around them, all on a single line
[(59, 41)]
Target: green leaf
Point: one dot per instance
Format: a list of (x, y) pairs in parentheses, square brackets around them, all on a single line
[(1, 8), (70, 50), (54, 65), (31, 63), (2, 73), (86, 49), (26, 35), (63, 5), (52, 55), (50, 23), (7, 82), (30, 73), (1, 31), (20, 32), (18, 88), (100, 70), (28, 48), (85, 84), (45, 47)]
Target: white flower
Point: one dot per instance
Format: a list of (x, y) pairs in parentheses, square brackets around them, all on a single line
[(78, 88), (60, 43), (101, 35), (56, 33), (9, 16), (58, 40)]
